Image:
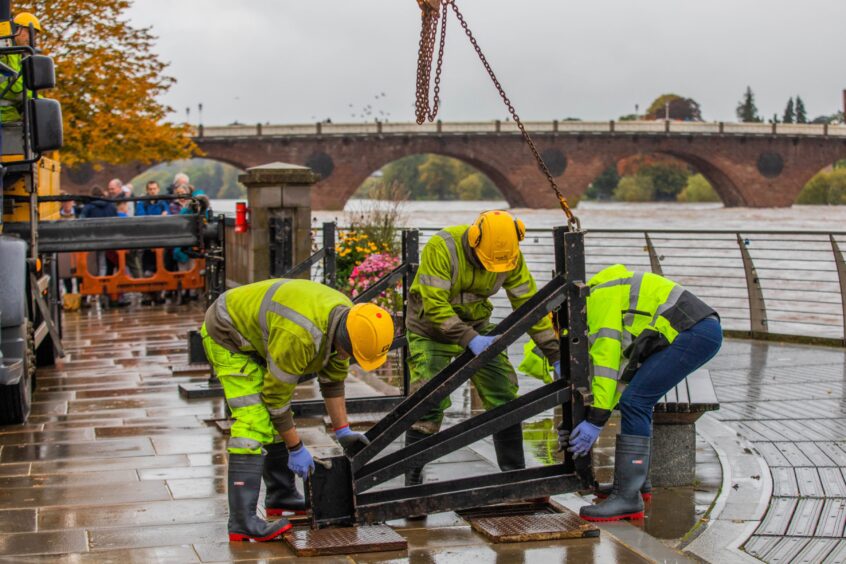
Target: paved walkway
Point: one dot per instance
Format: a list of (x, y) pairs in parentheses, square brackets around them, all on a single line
[(789, 402), (114, 466)]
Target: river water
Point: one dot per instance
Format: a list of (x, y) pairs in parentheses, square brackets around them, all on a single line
[(606, 215)]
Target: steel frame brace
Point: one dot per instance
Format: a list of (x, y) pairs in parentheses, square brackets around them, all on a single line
[(338, 489)]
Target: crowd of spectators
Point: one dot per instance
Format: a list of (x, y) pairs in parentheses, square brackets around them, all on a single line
[(113, 202)]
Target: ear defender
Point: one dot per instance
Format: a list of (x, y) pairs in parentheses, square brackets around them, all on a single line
[(474, 233), (521, 229)]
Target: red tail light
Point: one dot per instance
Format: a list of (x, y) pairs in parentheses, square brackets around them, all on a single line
[(242, 222)]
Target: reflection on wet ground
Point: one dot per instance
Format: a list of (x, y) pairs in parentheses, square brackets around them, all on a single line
[(114, 466)]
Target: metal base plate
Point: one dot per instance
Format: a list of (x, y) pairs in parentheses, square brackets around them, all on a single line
[(525, 528), (201, 390), (350, 540)]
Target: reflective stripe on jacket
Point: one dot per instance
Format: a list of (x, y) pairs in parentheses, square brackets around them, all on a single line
[(630, 316), (448, 301), (289, 323), (12, 89)]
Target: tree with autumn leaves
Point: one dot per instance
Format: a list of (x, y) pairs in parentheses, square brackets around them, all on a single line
[(108, 80)]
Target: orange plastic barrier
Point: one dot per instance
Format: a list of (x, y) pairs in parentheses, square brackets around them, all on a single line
[(122, 282)]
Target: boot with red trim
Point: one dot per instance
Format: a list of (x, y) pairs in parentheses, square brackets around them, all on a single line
[(244, 483), (281, 488), (631, 467), (604, 490)]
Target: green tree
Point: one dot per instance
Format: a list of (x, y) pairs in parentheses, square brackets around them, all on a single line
[(440, 176), (603, 187), (404, 173), (471, 187), (825, 188), (678, 108), (109, 79), (789, 113), (747, 111), (667, 180), (637, 188), (801, 114), (698, 189)]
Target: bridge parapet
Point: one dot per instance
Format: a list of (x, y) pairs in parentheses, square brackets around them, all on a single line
[(562, 127)]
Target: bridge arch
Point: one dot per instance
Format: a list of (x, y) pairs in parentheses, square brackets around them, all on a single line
[(503, 185)]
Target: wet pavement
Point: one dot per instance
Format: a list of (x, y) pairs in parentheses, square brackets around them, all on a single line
[(114, 466), (789, 403)]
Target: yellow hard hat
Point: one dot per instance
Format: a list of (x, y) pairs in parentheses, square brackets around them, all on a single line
[(371, 332), (496, 236), (24, 19)]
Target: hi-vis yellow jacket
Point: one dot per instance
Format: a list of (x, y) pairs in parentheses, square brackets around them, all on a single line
[(448, 301), (289, 323), (630, 316)]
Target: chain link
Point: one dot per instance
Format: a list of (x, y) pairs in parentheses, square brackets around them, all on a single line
[(425, 111)]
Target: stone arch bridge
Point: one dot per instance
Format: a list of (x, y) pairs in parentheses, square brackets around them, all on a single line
[(756, 165)]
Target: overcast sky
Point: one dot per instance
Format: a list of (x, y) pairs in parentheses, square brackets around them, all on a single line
[(287, 61)]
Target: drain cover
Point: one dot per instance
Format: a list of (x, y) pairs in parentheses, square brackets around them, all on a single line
[(350, 540), (524, 528)]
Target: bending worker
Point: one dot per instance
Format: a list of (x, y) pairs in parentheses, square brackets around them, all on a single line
[(11, 89), (260, 339), (449, 311), (646, 334)]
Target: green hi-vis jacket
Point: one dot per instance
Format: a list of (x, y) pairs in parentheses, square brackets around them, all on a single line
[(630, 316), (11, 89), (289, 323), (534, 364), (448, 301)]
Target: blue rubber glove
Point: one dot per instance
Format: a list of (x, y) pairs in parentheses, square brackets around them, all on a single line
[(300, 461), (557, 366), (349, 440), (480, 342), (582, 438)]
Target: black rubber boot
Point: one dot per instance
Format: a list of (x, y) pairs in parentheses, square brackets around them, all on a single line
[(281, 488), (243, 483), (631, 468), (508, 444), (604, 490), (414, 476)]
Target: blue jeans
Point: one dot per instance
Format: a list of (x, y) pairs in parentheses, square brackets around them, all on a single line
[(663, 370)]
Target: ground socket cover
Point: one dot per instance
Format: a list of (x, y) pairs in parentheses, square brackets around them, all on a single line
[(348, 540), (528, 522)]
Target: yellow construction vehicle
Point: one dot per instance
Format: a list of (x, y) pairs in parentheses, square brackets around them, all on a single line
[(29, 169)]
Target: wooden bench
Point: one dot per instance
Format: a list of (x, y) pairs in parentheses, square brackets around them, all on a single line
[(674, 431)]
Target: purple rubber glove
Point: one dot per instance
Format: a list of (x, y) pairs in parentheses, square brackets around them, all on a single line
[(582, 438), (557, 367), (480, 342), (300, 461), (349, 440)]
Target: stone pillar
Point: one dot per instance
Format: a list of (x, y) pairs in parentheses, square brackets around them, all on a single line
[(273, 190), (673, 458)]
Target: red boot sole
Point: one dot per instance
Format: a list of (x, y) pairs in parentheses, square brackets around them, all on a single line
[(238, 537), (630, 516), (280, 512)]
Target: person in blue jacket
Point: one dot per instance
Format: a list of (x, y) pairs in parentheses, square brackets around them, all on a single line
[(151, 207)]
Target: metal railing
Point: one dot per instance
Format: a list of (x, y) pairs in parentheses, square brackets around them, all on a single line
[(655, 127), (763, 283)]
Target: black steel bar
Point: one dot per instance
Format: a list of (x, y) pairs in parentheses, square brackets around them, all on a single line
[(305, 265), (373, 404), (570, 264), (462, 368), (105, 234), (330, 264), (460, 435), (464, 493), (383, 284), (410, 256)]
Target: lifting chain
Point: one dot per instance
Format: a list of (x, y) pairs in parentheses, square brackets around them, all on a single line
[(426, 111)]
